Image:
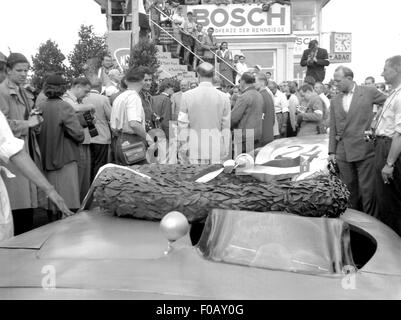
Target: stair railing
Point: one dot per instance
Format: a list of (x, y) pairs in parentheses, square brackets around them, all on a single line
[(187, 48), (216, 57)]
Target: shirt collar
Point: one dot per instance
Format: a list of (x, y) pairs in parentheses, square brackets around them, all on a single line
[(396, 89), (352, 90), (249, 88), (95, 91), (14, 89), (205, 84), (278, 93), (166, 94)]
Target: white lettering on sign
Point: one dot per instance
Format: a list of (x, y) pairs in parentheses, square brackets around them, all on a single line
[(340, 57), (240, 20), (302, 43), (122, 57)]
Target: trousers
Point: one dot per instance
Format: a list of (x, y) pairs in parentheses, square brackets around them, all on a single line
[(84, 170), (359, 178), (388, 196), (99, 157)]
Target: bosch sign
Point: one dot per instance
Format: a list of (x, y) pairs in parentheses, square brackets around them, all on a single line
[(241, 20)]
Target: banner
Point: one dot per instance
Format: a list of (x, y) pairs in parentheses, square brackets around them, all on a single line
[(302, 43), (243, 20), (119, 44)]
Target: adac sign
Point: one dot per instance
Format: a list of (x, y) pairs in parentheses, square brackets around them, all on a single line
[(119, 45), (244, 20), (340, 57)]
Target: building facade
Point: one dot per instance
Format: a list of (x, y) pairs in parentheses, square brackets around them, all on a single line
[(273, 38)]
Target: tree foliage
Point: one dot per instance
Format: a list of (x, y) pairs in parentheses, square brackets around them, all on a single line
[(90, 47), (48, 59), (144, 53)]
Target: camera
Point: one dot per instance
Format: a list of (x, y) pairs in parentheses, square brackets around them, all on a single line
[(369, 135), (333, 168), (90, 123), (36, 112), (157, 120)]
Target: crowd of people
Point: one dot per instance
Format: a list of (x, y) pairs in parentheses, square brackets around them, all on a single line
[(71, 130)]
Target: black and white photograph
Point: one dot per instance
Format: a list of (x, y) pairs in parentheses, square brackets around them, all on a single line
[(200, 154)]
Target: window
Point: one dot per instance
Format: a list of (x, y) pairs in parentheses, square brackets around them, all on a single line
[(265, 58), (279, 241), (304, 16)]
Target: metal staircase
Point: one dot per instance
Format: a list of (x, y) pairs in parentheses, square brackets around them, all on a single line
[(171, 67)]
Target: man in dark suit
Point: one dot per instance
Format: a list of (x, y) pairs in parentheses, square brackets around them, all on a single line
[(351, 114), (315, 59), (269, 115), (247, 115)]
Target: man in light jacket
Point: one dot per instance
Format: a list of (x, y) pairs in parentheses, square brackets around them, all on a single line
[(204, 121)]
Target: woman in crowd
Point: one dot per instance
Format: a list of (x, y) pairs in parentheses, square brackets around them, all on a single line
[(193, 84), (178, 21), (235, 61), (18, 110), (225, 65), (165, 22), (59, 143), (12, 150), (241, 67), (188, 36), (284, 89), (155, 8), (234, 92), (199, 35)]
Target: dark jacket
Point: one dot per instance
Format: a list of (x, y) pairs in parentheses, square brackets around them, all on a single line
[(161, 105), (347, 129), (60, 135), (248, 113), (147, 108), (317, 69), (268, 117)]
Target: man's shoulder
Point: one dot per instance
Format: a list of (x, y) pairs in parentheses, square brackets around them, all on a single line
[(293, 98), (366, 89), (5, 88), (68, 98), (4, 92), (264, 93), (120, 98)]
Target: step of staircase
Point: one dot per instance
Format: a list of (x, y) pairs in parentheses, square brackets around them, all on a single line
[(190, 74), (186, 77), (163, 55), (171, 67), (175, 68), (170, 62)]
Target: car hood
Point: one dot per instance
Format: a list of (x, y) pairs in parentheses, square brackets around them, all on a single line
[(96, 255)]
